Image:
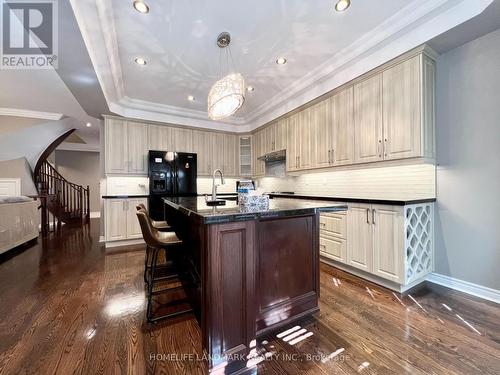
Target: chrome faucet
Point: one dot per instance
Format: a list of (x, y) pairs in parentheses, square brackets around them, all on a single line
[(214, 185)]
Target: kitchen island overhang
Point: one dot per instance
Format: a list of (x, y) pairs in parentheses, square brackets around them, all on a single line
[(247, 273)]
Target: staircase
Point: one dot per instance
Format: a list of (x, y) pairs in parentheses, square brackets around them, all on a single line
[(61, 201)]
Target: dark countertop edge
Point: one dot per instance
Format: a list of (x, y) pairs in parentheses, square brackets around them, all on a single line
[(123, 196), (245, 216), (147, 196), (355, 200)]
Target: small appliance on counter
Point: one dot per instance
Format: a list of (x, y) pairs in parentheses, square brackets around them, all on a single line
[(244, 187), (171, 174)]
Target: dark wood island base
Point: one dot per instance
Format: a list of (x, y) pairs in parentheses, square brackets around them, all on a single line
[(247, 273)]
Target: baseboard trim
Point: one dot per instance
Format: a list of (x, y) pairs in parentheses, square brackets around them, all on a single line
[(480, 291), (110, 244), (364, 275), (95, 214)]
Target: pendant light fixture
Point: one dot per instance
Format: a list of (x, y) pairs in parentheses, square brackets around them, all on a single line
[(227, 95)]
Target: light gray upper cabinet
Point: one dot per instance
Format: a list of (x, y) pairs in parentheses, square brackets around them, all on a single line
[(258, 148), (231, 150), (217, 151), (280, 134), (116, 146), (160, 138), (408, 109), (202, 146), (368, 127), (401, 103), (182, 140), (306, 143), (293, 146), (269, 139), (342, 117), (126, 147), (137, 148), (323, 133)]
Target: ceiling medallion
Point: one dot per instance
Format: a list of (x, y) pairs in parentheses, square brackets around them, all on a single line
[(227, 95)]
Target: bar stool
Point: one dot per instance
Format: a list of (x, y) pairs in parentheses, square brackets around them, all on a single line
[(159, 241), (161, 226)]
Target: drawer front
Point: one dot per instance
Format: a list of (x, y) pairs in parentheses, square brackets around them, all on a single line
[(334, 224), (333, 248)]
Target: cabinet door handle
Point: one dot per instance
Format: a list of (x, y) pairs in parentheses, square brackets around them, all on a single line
[(378, 148), (367, 214), (329, 157), (333, 155), (373, 216)]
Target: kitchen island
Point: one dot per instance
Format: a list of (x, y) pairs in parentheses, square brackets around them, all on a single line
[(247, 273)]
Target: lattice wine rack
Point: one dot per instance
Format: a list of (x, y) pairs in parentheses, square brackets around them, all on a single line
[(419, 241)]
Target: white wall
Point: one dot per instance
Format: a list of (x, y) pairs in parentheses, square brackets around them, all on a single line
[(81, 168), (468, 151)]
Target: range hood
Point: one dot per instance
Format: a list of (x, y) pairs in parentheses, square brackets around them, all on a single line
[(274, 156)]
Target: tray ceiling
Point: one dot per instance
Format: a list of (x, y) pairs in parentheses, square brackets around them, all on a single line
[(324, 49)]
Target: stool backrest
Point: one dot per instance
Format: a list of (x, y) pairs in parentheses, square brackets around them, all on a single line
[(141, 206), (148, 232)]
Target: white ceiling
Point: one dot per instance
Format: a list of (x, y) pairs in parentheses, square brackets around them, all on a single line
[(177, 38), (41, 94)]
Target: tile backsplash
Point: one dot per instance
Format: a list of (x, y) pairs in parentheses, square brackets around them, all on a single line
[(394, 182), (129, 185)]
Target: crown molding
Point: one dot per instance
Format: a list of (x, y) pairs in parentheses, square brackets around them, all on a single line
[(31, 114), (135, 109), (176, 111), (418, 22)]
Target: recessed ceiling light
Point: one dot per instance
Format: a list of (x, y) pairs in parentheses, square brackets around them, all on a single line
[(342, 5), (250, 88), (140, 61), (191, 98), (88, 125), (281, 60), (141, 6)]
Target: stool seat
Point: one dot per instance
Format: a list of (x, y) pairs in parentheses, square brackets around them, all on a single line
[(167, 238)]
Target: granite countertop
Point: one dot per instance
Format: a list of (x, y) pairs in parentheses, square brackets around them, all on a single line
[(354, 200), (232, 212)]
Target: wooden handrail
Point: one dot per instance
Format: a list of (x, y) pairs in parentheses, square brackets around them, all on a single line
[(65, 200)]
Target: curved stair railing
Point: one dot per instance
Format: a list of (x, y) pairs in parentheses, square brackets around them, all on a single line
[(61, 201)]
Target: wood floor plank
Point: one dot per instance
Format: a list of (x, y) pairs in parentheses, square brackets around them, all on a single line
[(69, 306)]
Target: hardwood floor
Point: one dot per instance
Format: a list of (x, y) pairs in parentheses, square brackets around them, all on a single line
[(69, 306)]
